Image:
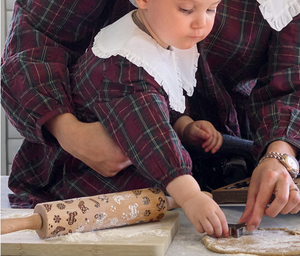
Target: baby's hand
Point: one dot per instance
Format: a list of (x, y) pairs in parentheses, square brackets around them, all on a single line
[(204, 133), (206, 216)]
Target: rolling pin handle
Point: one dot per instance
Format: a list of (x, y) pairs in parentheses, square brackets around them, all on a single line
[(33, 222)]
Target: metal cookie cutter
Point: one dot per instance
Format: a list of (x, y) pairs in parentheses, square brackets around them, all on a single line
[(238, 230)]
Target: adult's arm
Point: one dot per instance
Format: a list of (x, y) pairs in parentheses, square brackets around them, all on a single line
[(271, 177), (88, 142), (45, 38), (275, 100), (275, 119)]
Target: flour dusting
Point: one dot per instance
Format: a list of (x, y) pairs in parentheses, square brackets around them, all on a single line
[(19, 215), (111, 235), (16, 215), (261, 242)]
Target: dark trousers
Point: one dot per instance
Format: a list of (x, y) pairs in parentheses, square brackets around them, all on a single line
[(232, 162)]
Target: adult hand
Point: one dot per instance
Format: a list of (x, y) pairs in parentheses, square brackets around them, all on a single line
[(271, 177), (89, 142)]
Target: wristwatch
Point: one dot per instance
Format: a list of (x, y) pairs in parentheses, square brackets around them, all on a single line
[(288, 161)]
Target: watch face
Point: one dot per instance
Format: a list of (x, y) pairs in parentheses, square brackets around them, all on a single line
[(292, 162)]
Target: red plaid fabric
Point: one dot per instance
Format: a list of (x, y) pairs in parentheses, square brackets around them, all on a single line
[(244, 66), (136, 116), (249, 77)]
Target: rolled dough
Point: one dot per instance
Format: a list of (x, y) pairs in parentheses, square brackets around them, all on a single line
[(272, 242)]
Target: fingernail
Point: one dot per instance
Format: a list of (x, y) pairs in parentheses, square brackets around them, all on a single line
[(251, 228)]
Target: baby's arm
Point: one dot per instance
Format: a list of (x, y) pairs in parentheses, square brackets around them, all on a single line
[(198, 132), (202, 211)]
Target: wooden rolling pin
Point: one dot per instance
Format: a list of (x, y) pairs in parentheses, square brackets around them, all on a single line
[(93, 213)]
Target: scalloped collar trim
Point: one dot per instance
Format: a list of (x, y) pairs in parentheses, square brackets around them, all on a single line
[(173, 69), (279, 13)]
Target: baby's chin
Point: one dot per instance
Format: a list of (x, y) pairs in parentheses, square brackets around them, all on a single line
[(185, 46)]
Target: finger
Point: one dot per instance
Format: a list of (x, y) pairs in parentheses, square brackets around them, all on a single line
[(218, 144), (109, 169), (224, 224), (296, 209), (211, 142), (281, 200), (248, 208), (293, 202), (262, 200), (216, 224), (207, 226), (251, 199), (206, 144), (201, 134), (123, 165), (198, 226)]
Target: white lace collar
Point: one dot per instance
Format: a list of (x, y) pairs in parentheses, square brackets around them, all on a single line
[(173, 69), (279, 13)]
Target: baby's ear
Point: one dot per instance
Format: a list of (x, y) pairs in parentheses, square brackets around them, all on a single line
[(142, 4)]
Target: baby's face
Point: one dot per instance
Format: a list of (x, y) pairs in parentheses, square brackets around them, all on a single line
[(181, 23)]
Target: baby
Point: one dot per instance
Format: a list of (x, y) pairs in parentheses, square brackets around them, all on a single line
[(138, 70)]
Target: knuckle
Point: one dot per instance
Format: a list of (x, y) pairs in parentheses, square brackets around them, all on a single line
[(200, 230), (198, 227), (218, 232), (210, 231), (296, 210), (295, 199), (105, 174), (282, 199), (284, 212), (109, 175), (286, 176), (271, 215), (270, 175)]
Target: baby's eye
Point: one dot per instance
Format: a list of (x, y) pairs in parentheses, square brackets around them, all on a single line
[(186, 11), (212, 10)]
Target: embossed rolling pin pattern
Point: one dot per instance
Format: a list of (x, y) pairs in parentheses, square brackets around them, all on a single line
[(93, 213)]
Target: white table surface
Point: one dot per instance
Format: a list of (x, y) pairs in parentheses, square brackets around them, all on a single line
[(187, 241)]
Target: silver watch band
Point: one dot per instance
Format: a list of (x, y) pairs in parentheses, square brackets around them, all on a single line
[(280, 157)]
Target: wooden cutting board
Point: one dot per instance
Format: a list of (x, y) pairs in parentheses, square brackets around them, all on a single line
[(236, 193), (150, 239)]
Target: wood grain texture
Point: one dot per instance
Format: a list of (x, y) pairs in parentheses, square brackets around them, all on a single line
[(231, 194), (34, 222), (101, 211), (93, 213), (149, 239)]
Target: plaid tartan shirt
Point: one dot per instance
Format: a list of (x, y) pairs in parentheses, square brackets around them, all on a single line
[(124, 98), (249, 77), (244, 66)]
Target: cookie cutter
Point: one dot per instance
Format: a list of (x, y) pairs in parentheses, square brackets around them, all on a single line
[(238, 230)]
